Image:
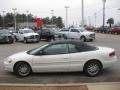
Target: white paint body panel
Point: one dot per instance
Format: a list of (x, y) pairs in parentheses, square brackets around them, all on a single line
[(63, 62)]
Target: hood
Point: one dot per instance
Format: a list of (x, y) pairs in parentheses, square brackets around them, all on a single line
[(20, 56), (30, 34), (87, 32)]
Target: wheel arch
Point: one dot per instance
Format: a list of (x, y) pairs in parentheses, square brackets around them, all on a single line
[(21, 62), (91, 60)]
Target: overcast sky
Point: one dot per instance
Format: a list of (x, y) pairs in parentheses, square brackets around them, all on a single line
[(42, 8)]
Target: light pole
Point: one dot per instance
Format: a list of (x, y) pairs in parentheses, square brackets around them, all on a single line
[(14, 10), (3, 20), (104, 1), (66, 7), (82, 13), (27, 11), (89, 18), (52, 13), (95, 18)]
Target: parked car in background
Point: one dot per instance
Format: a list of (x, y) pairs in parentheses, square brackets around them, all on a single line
[(104, 29), (62, 56), (77, 33), (47, 34), (26, 35), (116, 30), (6, 36)]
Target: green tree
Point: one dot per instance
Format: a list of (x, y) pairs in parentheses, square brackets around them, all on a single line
[(8, 19), (1, 19), (46, 20), (110, 21), (60, 22)]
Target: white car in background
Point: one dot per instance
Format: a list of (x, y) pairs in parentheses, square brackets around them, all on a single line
[(77, 33), (62, 56), (26, 35)]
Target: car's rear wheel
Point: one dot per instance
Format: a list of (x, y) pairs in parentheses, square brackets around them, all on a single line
[(22, 69), (92, 68)]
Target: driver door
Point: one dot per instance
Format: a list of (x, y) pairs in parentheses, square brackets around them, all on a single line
[(54, 58), (20, 35), (75, 34)]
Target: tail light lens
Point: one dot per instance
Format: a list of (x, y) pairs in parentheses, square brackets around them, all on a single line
[(112, 54)]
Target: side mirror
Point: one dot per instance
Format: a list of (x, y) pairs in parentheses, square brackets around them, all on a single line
[(41, 52)]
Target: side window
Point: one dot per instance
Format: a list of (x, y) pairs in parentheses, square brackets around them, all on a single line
[(73, 48), (64, 30), (56, 49), (80, 48), (74, 30), (21, 32)]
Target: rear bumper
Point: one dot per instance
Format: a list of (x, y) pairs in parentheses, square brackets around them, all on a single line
[(110, 63)]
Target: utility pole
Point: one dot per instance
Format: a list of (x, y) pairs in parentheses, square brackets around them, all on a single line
[(27, 11), (14, 10), (52, 14), (82, 13), (66, 7), (95, 19), (104, 1), (3, 20), (89, 18)]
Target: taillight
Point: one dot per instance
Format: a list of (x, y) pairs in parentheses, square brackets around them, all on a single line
[(112, 54)]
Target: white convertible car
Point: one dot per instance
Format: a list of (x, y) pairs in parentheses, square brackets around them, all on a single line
[(62, 56)]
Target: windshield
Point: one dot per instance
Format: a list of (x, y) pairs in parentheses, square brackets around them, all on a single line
[(4, 32), (28, 31), (82, 30), (33, 51)]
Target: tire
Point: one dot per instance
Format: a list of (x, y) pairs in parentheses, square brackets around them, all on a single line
[(16, 39), (22, 69), (83, 38), (92, 68), (37, 41), (12, 41), (91, 40), (25, 40), (64, 36)]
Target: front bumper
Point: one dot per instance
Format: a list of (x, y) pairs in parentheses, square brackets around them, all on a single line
[(32, 40), (8, 66)]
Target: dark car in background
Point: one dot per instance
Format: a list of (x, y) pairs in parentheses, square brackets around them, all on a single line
[(103, 29), (47, 34), (6, 36)]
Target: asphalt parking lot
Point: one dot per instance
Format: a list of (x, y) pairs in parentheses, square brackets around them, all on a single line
[(109, 75)]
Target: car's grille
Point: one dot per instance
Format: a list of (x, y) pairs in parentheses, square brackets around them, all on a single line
[(34, 37), (92, 35)]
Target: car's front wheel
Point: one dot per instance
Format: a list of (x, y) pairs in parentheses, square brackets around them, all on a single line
[(25, 40), (92, 68), (83, 38), (22, 69)]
